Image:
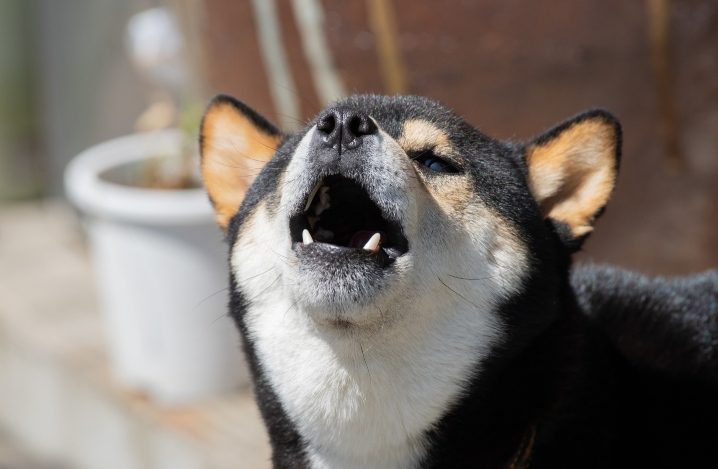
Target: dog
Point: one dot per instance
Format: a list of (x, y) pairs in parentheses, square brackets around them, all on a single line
[(403, 286)]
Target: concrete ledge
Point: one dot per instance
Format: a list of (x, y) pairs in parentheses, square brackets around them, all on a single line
[(56, 395)]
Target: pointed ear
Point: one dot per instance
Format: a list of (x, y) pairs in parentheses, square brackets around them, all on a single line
[(572, 170), (235, 144)]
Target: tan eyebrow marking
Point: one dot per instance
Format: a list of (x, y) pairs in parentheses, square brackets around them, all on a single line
[(418, 135)]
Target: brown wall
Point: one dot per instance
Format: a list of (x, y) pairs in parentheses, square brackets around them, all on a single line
[(514, 68)]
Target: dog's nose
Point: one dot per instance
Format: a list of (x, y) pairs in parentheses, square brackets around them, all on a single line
[(343, 129)]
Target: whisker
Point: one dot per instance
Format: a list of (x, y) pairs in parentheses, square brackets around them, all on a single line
[(210, 296), (361, 347), (293, 305), (471, 279), (265, 289), (303, 122), (243, 155), (227, 142), (221, 316), (255, 276), (457, 293), (283, 258)]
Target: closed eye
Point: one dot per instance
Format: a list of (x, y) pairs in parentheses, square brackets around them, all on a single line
[(431, 161)]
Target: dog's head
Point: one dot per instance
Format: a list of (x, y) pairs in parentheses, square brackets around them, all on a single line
[(394, 210)]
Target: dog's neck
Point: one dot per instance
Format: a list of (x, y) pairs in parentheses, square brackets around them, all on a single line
[(381, 402), (507, 409), (365, 401)]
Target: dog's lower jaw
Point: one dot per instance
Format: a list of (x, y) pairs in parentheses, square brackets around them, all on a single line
[(345, 294), (343, 325)]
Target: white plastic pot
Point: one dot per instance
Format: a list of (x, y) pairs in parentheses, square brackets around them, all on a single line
[(160, 264)]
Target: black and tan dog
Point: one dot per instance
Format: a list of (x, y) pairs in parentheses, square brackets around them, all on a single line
[(402, 283)]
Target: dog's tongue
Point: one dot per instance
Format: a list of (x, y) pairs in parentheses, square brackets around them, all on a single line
[(360, 238)]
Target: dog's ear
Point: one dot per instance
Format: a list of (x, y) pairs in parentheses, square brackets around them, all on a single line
[(572, 170), (235, 144)]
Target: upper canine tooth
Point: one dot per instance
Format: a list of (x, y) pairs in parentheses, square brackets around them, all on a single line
[(306, 237), (311, 195), (324, 199), (373, 243)]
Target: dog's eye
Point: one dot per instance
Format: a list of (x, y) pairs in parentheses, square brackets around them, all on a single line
[(429, 160)]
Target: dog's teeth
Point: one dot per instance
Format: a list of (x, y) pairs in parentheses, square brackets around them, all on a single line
[(306, 237), (311, 196), (373, 243)]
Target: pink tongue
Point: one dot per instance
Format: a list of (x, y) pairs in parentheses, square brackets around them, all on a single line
[(360, 238)]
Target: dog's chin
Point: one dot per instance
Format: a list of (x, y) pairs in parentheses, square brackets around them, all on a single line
[(341, 288)]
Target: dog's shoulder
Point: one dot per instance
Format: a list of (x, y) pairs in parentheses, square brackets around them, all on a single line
[(666, 324)]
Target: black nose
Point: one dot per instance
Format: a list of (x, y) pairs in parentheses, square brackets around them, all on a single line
[(343, 129)]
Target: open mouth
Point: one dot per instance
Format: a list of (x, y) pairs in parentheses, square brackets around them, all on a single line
[(339, 213)]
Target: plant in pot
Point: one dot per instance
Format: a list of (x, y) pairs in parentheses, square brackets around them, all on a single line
[(158, 257)]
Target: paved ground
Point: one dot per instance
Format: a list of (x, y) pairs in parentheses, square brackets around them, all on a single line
[(12, 457), (58, 398)]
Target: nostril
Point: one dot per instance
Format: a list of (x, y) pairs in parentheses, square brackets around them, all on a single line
[(327, 123), (341, 128), (360, 124)]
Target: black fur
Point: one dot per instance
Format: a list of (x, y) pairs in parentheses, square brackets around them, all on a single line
[(600, 367)]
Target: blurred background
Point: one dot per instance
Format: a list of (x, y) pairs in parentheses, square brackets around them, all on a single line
[(77, 73)]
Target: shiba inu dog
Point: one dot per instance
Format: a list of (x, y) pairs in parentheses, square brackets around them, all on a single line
[(404, 289)]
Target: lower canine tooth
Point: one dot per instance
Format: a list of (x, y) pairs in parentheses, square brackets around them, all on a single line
[(306, 237), (373, 243)]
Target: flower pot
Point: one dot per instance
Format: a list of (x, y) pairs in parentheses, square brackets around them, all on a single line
[(160, 265)]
